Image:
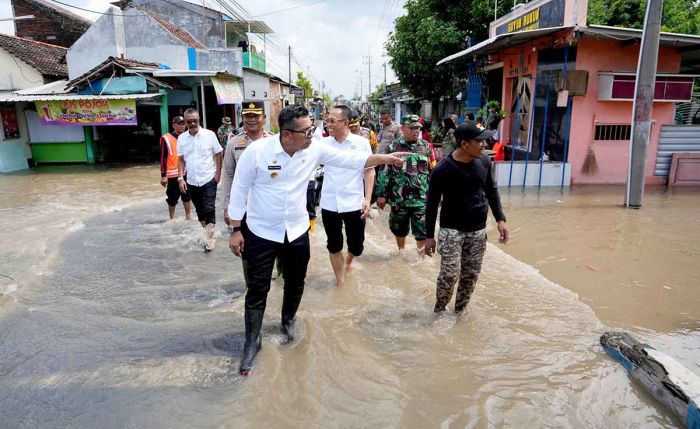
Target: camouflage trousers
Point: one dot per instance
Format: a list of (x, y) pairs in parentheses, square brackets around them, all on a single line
[(462, 254)]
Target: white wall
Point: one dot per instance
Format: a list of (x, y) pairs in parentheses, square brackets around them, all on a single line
[(93, 47), (39, 133), (16, 74), (14, 153)]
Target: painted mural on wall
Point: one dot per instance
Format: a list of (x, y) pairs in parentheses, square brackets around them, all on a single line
[(550, 14), (87, 112), (10, 125)]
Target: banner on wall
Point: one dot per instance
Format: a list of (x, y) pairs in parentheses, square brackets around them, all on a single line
[(10, 126), (228, 91), (87, 112)]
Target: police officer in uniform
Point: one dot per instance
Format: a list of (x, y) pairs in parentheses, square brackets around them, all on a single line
[(253, 129)]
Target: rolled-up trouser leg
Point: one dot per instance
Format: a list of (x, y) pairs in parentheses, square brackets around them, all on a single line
[(473, 249), (450, 248)]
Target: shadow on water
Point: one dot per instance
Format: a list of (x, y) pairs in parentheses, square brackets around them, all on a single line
[(133, 311)]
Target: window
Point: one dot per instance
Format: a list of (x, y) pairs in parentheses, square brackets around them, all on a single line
[(621, 86), (613, 132)]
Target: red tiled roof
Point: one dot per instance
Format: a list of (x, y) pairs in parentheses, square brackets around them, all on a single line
[(176, 31), (47, 59), (126, 62)]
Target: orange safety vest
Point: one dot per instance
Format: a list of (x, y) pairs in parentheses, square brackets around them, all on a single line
[(500, 151), (172, 159)]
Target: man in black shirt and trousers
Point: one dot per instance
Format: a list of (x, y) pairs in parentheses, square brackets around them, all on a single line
[(465, 182)]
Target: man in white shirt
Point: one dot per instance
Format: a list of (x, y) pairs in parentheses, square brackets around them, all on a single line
[(200, 155), (270, 189), (346, 194)]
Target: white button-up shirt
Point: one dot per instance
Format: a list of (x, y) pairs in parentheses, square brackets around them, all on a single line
[(344, 189), (270, 186), (198, 151)]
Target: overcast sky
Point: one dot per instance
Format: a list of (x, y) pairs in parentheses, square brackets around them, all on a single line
[(330, 38)]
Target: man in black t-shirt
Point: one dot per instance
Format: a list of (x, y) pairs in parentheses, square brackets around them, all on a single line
[(464, 181)]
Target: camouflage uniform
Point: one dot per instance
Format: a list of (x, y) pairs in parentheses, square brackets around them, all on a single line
[(223, 134), (404, 188), (458, 247)]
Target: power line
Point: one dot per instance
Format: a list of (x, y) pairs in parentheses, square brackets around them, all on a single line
[(290, 8)]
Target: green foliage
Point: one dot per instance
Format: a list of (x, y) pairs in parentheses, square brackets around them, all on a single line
[(679, 16), (327, 99), (275, 129), (430, 31), (304, 83)]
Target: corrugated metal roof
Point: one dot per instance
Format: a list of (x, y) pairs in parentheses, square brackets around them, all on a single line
[(501, 41), (74, 96), (58, 87)]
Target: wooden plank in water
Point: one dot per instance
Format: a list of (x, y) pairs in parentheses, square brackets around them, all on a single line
[(663, 377)]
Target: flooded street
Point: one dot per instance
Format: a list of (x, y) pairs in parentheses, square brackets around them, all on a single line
[(111, 317)]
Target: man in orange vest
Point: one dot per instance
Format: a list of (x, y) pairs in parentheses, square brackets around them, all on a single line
[(168, 169)]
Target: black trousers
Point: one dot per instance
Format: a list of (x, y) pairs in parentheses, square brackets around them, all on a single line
[(260, 255), (204, 200), (173, 193), (354, 231)]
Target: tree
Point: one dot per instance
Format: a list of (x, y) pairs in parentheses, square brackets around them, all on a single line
[(430, 31), (376, 97), (304, 83), (680, 16)]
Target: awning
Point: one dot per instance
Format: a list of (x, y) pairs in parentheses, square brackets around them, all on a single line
[(497, 43), (228, 91), (74, 96)]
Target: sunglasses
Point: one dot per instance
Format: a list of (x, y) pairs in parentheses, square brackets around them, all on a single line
[(193, 121), (307, 132)]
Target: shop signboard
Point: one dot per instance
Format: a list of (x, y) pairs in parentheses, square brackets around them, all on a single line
[(87, 112), (298, 92), (228, 91), (548, 15)]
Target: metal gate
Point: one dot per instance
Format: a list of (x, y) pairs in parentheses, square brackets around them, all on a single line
[(674, 139)]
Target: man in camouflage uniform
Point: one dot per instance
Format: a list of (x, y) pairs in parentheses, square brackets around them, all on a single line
[(388, 131), (253, 129), (224, 131), (404, 188), (464, 183)]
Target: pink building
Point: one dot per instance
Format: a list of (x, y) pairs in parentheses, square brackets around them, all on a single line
[(568, 89)]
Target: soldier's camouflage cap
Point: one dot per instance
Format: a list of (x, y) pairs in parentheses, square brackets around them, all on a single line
[(411, 121)]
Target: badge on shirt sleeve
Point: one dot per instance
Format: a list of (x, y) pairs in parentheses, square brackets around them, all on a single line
[(274, 167), (274, 175)]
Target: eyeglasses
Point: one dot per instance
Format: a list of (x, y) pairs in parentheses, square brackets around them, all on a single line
[(307, 132), (193, 121)]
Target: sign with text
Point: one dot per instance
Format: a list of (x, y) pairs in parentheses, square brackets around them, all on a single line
[(228, 91), (550, 14), (87, 112)]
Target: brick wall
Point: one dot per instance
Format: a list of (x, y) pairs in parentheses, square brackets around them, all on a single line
[(50, 24)]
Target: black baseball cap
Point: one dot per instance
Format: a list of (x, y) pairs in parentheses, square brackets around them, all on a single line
[(178, 118), (469, 131)]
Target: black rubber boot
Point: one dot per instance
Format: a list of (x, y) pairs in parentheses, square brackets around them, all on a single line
[(290, 304), (253, 339)]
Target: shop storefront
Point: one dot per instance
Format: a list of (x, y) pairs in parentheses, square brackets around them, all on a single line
[(567, 92)]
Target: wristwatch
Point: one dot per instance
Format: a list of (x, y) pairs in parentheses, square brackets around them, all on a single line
[(180, 178), (233, 229)]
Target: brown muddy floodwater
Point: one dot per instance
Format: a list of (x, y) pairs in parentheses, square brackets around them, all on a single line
[(112, 318)]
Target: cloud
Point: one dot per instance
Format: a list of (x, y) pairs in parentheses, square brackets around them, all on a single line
[(330, 39)]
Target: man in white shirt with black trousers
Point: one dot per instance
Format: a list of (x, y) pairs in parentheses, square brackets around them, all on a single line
[(346, 194), (200, 155), (269, 188)]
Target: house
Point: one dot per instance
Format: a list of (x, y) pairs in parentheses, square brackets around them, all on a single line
[(25, 64), (567, 88), (51, 23)]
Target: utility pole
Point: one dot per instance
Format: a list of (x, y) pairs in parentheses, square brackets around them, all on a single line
[(642, 105), (289, 57), (495, 10), (384, 75), (369, 83)]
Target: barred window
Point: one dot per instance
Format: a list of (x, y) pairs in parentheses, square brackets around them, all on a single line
[(612, 132)]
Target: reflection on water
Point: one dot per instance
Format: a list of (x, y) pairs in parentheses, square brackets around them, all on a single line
[(116, 318)]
